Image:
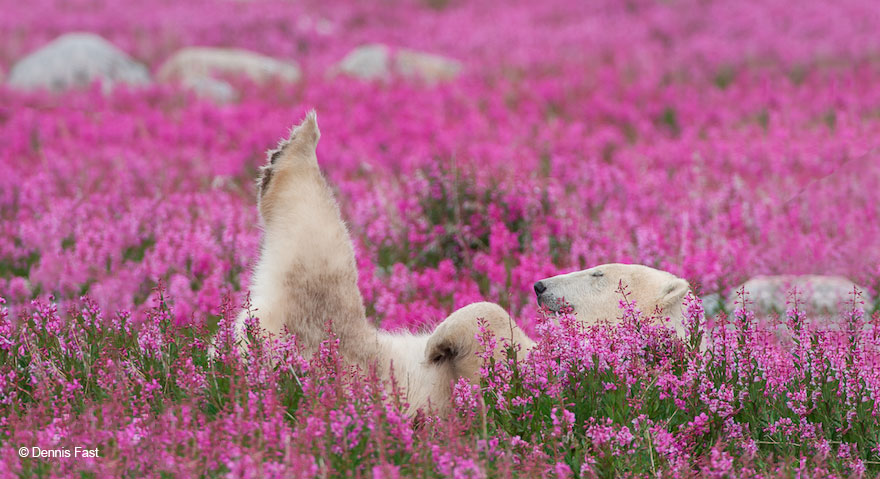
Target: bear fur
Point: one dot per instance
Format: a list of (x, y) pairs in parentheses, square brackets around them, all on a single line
[(593, 293), (306, 279)]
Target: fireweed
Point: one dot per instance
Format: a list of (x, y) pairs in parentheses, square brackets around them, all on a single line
[(593, 401), (714, 140)]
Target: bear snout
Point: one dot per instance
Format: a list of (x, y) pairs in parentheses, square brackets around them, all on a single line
[(540, 287), (551, 302)]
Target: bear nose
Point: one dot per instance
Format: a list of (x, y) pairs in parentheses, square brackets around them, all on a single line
[(540, 288)]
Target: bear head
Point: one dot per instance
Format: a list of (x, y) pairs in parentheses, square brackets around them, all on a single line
[(453, 347), (593, 294)]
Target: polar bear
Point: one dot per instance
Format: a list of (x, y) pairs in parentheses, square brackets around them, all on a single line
[(306, 279), (593, 293)]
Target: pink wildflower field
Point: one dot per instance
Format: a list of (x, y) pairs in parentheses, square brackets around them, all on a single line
[(714, 139)]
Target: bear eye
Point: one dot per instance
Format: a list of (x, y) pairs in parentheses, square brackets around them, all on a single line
[(597, 274)]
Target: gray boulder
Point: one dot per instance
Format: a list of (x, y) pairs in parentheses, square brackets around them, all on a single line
[(367, 62), (376, 61), (75, 60), (820, 294), (211, 88), (712, 304), (426, 66), (202, 70)]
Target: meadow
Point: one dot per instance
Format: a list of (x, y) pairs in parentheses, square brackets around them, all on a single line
[(716, 140)]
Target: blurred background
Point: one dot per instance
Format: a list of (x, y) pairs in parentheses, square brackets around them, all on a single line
[(475, 146)]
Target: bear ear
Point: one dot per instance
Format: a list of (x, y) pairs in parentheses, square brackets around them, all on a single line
[(442, 351), (447, 345), (673, 292)]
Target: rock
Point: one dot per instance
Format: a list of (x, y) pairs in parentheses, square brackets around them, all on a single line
[(821, 294), (427, 66), (201, 69), (376, 61), (711, 304), (367, 62), (201, 62), (75, 60), (212, 88)]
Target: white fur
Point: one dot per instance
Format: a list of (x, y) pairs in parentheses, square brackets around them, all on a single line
[(306, 279), (593, 295)]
